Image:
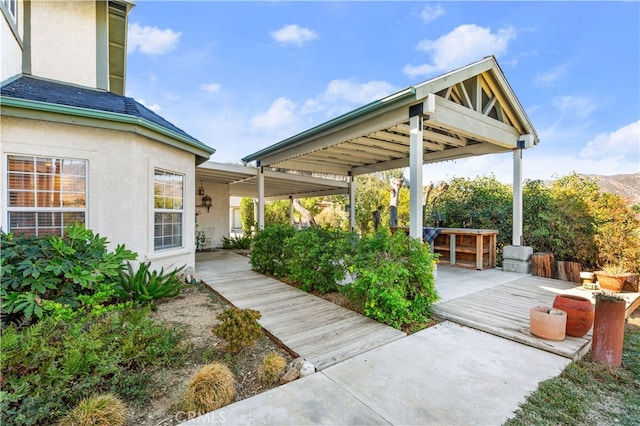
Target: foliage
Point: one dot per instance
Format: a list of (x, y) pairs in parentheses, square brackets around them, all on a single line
[(372, 192), (272, 368), (144, 284), (588, 393), (246, 215), (49, 268), (617, 236), (211, 388), (237, 242), (314, 258), (51, 365), (277, 212), (239, 328), (394, 281), (106, 409), (267, 255)]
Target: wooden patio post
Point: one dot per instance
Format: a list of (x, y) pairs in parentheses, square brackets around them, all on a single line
[(416, 160)]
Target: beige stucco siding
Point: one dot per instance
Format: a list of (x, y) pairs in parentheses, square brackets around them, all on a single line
[(120, 180), (218, 216), (64, 47), (11, 63)]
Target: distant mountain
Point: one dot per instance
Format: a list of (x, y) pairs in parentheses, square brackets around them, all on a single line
[(627, 186)]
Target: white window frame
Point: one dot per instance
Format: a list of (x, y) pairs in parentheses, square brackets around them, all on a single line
[(168, 209), (42, 210)]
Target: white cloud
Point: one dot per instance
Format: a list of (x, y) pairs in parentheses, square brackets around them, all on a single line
[(153, 107), (621, 143), (465, 44), (579, 107), (210, 87), (293, 34), (280, 115), (343, 95), (548, 78), (152, 40), (431, 13)]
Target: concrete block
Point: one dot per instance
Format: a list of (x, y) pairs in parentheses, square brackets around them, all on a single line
[(519, 266), (522, 253)]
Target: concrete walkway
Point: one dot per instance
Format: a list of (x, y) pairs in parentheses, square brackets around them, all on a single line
[(444, 375)]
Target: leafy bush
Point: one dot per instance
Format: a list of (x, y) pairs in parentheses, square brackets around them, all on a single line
[(51, 365), (272, 368), (239, 328), (212, 387), (50, 268), (315, 258), (145, 285), (105, 409), (268, 255), (242, 242), (394, 281)]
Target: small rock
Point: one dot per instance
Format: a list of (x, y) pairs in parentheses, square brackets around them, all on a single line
[(307, 369), (290, 376)]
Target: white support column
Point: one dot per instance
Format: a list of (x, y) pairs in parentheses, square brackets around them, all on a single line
[(260, 198), (416, 152), (291, 210), (516, 239), (352, 204)]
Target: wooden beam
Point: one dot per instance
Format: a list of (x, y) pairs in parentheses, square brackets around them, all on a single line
[(434, 136), (472, 125)]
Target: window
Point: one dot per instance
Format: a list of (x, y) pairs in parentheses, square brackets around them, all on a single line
[(168, 196), (11, 6), (44, 195)]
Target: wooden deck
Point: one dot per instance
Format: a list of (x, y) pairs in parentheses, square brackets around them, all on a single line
[(320, 331), (503, 310)]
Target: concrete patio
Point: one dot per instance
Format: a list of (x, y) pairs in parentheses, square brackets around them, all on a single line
[(445, 374)]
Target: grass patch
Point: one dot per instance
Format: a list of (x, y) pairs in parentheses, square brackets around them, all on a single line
[(589, 393)]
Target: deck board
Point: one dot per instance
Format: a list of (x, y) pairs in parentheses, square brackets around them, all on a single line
[(318, 330), (503, 310)]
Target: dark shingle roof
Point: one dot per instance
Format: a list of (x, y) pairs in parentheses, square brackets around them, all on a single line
[(34, 89)]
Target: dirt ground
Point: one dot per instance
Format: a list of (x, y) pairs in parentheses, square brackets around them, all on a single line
[(195, 311)]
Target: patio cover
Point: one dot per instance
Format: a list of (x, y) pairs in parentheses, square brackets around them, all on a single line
[(243, 182), (466, 112)]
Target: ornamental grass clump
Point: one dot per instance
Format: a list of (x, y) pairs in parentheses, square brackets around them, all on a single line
[(211, 388), (272, 368), (99, 410)]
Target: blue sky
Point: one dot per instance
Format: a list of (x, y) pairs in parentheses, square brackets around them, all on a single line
[(240, 76)]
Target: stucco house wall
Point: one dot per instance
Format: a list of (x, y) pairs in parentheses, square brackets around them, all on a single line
[(120, 177), (64, 47), (10, 38), (218, 216)]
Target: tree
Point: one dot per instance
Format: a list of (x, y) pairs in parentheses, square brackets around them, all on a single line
[(305, 214)]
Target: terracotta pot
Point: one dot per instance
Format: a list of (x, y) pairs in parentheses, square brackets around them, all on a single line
[(550, 326), (609, 282), (579, 313), (608, 332)]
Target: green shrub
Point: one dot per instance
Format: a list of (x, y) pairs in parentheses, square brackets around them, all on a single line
[(50, 268), (211, 388), (239, 328), (242, 242), (394, 281), (50, 366), (268, 255), (315, 258), (144, 285), (100, 410)]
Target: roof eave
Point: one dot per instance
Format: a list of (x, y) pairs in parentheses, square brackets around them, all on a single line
[(200, 150)]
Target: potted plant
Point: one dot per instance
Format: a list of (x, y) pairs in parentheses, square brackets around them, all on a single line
[(608, 328), (612, 277)]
